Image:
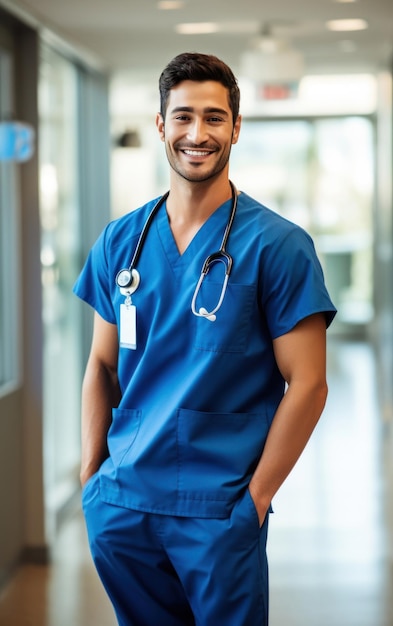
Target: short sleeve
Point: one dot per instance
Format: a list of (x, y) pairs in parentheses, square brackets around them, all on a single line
[(293, 283), (93, 283)]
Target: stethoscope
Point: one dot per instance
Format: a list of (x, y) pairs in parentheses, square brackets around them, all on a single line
[(128, 279)]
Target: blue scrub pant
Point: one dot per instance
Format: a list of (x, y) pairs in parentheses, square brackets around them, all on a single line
[(160, 570)]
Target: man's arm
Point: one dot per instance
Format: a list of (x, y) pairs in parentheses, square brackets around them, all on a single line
[(100, 393), (301, 358)]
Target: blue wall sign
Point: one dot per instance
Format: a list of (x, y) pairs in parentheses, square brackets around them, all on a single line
[(16, 141)]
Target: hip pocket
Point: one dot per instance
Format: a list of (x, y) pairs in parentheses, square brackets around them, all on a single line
[(217, 453), (89, 490), (122, 433)]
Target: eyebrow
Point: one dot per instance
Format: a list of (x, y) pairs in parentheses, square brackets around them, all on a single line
[(185, 109)]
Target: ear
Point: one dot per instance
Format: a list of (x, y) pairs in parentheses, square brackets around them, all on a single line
[(236, 129), (160, 126)]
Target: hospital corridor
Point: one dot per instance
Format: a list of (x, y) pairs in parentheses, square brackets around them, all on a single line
[(82, 144), (329, 538)]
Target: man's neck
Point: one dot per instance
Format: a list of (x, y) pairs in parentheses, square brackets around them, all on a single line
[(190, 202), (189, 205)]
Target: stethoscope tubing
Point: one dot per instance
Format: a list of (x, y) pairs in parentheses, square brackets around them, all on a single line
[(128, 279), (131, 271)]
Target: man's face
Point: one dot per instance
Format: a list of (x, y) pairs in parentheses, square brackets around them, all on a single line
[(198, 129)]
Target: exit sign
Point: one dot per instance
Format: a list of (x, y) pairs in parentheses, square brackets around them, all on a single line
[(277, 91)]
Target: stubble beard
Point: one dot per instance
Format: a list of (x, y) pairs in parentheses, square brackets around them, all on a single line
[(196, 177)]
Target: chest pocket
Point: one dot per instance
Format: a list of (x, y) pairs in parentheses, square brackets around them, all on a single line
[(231, 329)]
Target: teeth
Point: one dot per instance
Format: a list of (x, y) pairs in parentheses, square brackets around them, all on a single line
[(196, 152)]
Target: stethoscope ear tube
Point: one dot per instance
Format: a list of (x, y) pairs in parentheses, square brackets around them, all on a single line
[(202, 311), (222, 256)]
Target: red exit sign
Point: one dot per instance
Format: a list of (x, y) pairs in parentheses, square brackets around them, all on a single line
[(276, 91)]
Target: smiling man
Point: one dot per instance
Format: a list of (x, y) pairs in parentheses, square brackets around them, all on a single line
[(202, 388), (198, 135)]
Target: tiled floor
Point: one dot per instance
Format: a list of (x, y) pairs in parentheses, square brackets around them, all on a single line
[(329, 541), (330, 537)]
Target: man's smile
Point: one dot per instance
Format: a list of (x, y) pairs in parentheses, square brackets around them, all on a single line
[(197, 153)]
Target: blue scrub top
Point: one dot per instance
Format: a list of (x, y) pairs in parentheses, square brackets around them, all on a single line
[(198, 397)]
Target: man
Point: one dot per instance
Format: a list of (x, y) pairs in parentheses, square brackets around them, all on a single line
[(197, 400)]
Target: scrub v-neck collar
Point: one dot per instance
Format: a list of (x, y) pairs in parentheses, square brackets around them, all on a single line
[(209, 234)]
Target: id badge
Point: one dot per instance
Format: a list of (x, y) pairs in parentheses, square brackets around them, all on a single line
[(128, 326)]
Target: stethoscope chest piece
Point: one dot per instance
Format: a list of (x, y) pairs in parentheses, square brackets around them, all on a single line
[(128, 281)]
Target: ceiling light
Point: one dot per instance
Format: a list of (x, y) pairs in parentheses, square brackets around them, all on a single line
[(347, 25), (344, 1), (170, 5), (197, 28)]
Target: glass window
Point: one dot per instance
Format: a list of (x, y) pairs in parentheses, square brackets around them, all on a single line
[(9, 248), (60, 255), (319, 173)]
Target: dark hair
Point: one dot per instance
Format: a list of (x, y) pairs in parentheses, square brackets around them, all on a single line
[(198, 67)]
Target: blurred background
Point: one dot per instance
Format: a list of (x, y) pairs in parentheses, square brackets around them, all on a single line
[(78, 147)]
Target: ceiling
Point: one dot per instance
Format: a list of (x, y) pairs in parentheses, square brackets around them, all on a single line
[(136, 36)]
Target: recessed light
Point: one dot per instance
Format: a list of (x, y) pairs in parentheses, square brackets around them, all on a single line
[(347, 25), (344, 1), (170, 5), (197, 28)]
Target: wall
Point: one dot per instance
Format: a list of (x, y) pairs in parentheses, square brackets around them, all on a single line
[(11, 482), (22, 524), (26, 519), (383, 283), (383, 279)]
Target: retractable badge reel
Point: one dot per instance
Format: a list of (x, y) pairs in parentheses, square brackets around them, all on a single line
[(128, 282)]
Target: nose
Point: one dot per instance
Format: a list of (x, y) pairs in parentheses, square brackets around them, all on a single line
[(197, 131)]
